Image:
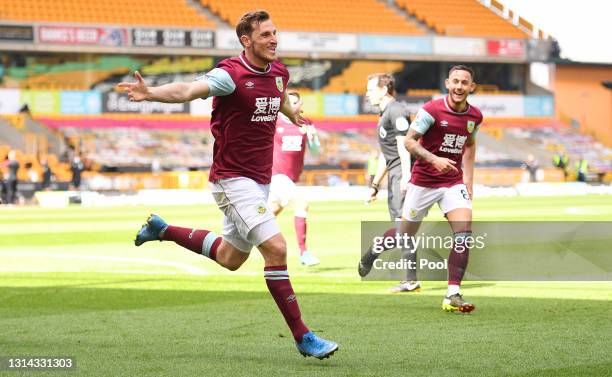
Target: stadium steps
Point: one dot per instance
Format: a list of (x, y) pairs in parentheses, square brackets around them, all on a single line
[(210, 16), (10, 135), (54, 139), (408, 17)]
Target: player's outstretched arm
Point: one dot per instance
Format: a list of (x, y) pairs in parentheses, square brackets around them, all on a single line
[(177, 92), (442, 164), (469, 156)]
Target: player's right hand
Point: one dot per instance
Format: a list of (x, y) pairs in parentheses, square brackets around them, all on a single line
[(444, 165), (372, 196), (136, 91)]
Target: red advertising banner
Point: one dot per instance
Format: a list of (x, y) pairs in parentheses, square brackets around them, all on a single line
[(81, 35), (506, 47)]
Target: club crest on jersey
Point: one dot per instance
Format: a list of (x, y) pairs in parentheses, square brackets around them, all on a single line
[(471, 125), (279, 84), (261, 209)]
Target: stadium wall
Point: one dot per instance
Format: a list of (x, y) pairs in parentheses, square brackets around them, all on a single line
[(582, 99)]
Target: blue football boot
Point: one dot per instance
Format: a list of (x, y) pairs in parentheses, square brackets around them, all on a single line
[(312, 345), (150, 230)]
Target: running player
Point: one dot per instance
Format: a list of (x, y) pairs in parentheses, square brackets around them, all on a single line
[(395, 159), (249, 91), (289, 150), (443, 139)]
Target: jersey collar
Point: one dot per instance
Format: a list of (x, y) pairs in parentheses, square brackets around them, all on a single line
[(251, 67), (386, 107), (451, 109)]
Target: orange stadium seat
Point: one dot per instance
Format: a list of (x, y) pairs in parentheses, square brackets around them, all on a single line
[(364, 16), (461, 18), (354, 77), (132, 12)]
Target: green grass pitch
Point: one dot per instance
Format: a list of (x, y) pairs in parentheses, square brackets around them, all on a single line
[(73, 284)]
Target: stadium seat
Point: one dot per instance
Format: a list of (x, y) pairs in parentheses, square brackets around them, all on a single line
[(461, 18), (353, 78), (364, 16), (133, 12)]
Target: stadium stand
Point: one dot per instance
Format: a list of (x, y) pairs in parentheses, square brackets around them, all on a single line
[(71, 75), (116, 12), (353, 78), (574, 144), (364, 16), (461, 18)]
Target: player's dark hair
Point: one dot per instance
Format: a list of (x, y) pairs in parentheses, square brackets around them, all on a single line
[(384, 79), (462, 67), (245, 25)]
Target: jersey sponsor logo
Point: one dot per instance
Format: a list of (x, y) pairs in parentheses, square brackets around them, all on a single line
[(266, 109), (444, 123), (382, 132), (292, 143), (471, 125), (263, 118), (279, 83), (249, 84), (453, 143)]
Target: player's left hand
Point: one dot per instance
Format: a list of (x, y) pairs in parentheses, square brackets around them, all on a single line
[(470, 191)]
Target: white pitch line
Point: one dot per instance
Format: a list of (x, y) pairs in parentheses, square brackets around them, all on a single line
[(153, 262)]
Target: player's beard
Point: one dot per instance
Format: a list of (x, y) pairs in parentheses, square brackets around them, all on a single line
[(264, 54)]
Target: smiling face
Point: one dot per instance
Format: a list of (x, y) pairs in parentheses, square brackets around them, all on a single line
[(459, 84), (375, 93), (260, 46)]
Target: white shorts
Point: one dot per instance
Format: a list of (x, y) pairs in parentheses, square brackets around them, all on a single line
[(248, 221), (420, 199), (282, 190)]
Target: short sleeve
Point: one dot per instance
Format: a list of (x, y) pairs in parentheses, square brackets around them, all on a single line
[(219, 82), (399, 118), (477, 127), (422, 122)]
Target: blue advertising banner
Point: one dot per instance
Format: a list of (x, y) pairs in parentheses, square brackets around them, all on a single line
[(378, 44), (80, 102), (340, 104), (538, 106)]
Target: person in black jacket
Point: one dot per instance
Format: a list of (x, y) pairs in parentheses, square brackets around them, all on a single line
[(76, 167), (11, 179)]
